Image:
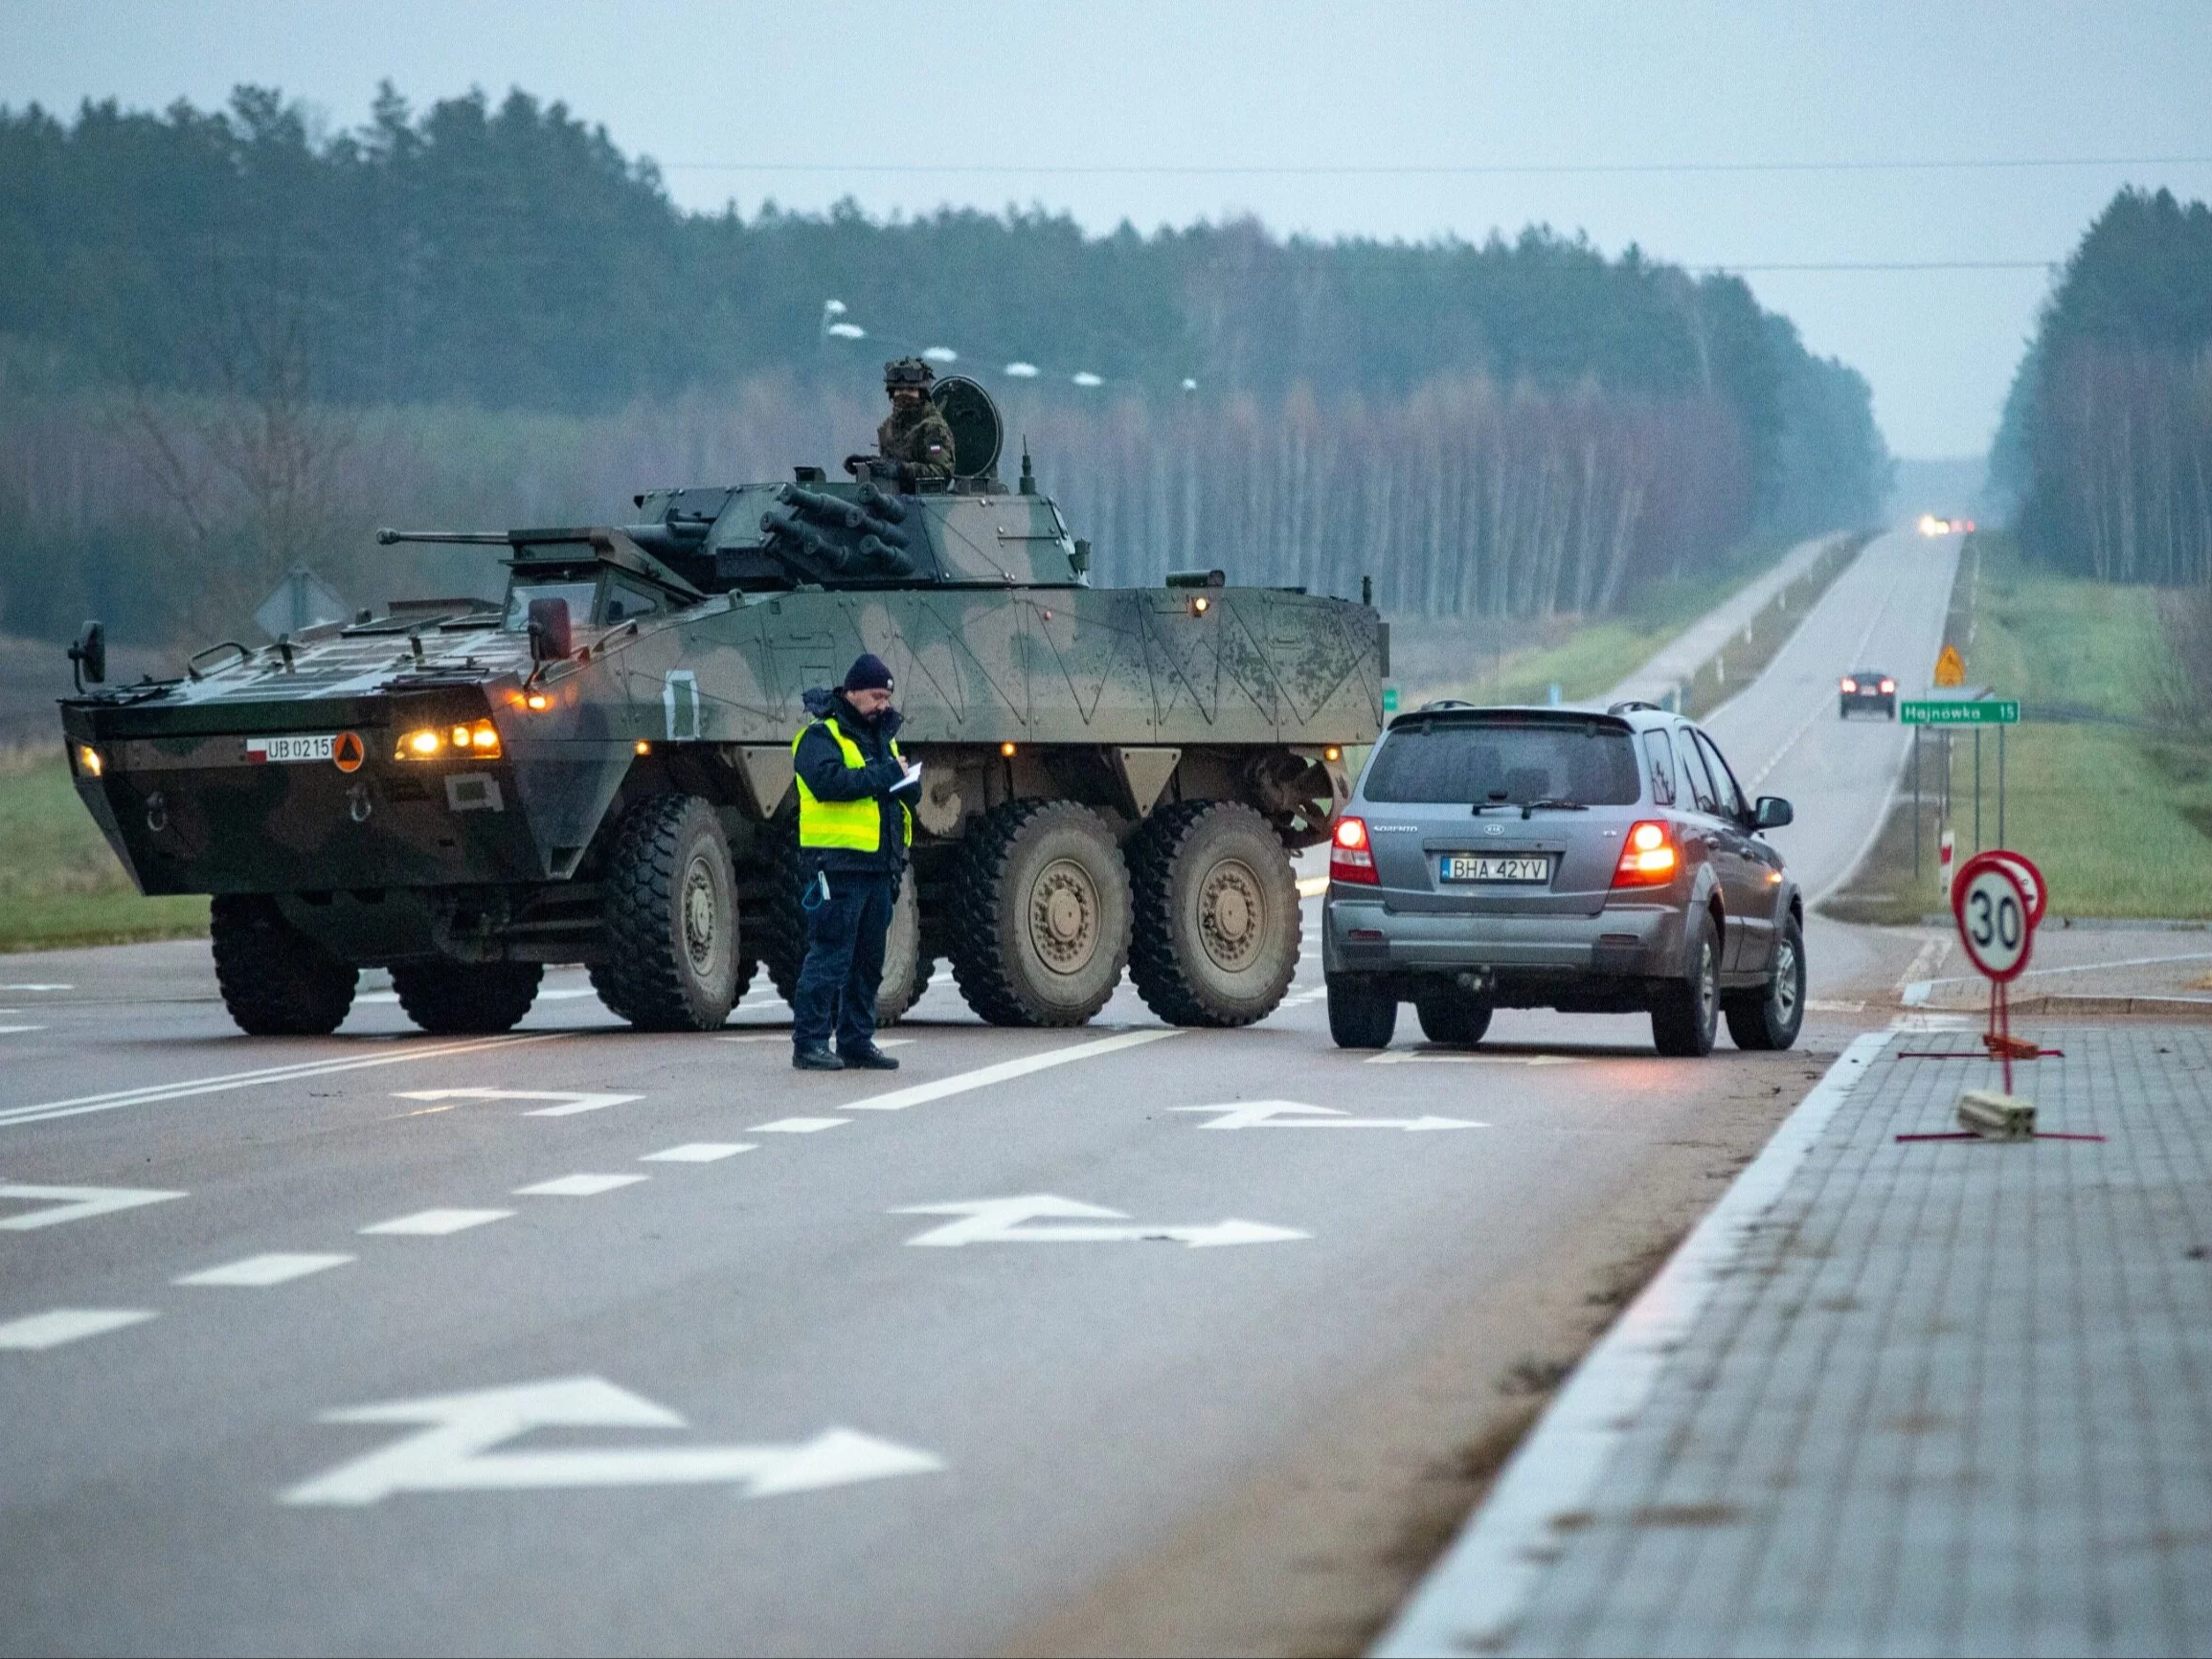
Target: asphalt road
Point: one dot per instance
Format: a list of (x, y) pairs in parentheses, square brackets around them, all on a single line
[(583, 1340)]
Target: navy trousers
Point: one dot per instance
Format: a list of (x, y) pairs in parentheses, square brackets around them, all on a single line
[(843, 967)]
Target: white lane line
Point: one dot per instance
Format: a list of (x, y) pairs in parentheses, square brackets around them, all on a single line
[(1005, 1071), (570, 1102), (798, 1126), (698, 1151), (763, 1036), (1415, 1057), (17, 1030), (34, 987), (1313, 887), (577, 1186), (543, 996), (260, 1273), (1313, 995), (436, 1224), (217, 1085), (76, 1203), (38, 1332), (1471, 1598)]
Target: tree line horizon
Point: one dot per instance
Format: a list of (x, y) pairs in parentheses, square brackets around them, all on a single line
[(488, 310)]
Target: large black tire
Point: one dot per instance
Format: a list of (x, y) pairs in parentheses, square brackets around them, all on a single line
[(1771, 1017), (1215, 940), (467, 999), (276, 981), (1039, 925), (670, 918), (1453, 1017), (904, 972), (775, 926), (1686, 1016), (1360, 1016)]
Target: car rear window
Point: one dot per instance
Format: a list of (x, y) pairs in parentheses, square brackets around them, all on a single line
[(1461, 763)]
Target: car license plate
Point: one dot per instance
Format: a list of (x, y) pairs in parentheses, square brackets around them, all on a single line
[(260, 751), (1490, 867)]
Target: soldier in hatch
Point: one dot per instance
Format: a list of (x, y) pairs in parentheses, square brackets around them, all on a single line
[(913, 437)]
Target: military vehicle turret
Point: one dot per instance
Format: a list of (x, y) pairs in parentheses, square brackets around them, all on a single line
[(599, 770)]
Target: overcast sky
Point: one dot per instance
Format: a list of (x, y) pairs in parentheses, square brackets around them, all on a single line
[(1170, 112)]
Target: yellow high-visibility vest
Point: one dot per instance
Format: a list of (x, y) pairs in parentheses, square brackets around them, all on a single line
[(855, 826)]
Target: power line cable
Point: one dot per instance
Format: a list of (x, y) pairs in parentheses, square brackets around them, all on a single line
[(1441, 169)]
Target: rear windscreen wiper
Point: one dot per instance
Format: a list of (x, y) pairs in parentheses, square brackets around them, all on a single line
[(1529, 806)]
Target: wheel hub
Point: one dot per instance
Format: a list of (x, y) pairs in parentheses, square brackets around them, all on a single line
[(1064, 916), (1786, 978), (701, 935), (1230, 911)]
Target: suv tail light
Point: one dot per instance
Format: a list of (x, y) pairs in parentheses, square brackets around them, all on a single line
[(1350, 858), (1649, 860)]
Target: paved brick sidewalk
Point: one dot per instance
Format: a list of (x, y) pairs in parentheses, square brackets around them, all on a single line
[(1933, 1397)]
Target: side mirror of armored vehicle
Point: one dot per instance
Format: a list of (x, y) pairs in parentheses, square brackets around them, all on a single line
[(88, 657), (550, 637), (1079, 561)]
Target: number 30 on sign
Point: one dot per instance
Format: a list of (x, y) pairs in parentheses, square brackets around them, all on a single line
[(1996, 899)]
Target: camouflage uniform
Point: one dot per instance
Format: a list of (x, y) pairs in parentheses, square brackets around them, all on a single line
[(919, 438)]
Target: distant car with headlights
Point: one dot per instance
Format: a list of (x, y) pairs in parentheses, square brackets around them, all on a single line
[(1557, 858), (1867, 689)]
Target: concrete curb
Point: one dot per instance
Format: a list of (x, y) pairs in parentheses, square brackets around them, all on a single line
[(1473, 1597)]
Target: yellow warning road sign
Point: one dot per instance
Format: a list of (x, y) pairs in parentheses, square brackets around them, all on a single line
[(1951, 667)]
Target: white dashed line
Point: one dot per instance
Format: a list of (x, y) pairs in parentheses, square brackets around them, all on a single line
[(1005, 1071), (436, 1224), (80, 1104), (259, 1272), (797, 1125), (51, 1330), (17, 1030), (578, 1186), (698, 1151)]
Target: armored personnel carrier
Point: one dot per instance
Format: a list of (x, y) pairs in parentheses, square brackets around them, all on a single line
[(599, 770)]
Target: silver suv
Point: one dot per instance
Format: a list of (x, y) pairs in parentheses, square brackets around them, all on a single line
[(1558, 858)]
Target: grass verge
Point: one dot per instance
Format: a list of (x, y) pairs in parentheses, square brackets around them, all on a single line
[(59, 885), (2113, 806)]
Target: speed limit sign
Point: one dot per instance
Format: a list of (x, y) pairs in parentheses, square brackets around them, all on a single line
[(1996, 917), (2031, 880)]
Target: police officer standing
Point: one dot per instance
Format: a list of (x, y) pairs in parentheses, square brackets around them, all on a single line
[(855, 829), (913, 437)]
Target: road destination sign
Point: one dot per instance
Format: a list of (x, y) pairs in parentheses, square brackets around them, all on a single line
[(1959, 712)]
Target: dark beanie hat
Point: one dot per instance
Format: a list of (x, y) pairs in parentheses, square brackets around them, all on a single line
[(868, 674)]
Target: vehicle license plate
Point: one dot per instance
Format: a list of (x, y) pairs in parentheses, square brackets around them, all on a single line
[(261, 749), (1489, 868)]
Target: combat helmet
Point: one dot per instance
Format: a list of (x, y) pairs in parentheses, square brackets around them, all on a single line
[(907, 371)]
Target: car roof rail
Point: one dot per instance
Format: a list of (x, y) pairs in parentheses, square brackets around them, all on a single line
[(1635, 705)]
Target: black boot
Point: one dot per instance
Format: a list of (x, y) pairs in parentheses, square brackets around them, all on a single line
[(867, 1058), (817, 1057)]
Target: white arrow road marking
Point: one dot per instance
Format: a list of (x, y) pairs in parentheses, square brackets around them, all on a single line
[(1000, 1221), (1293, 1114), (396, 1056), (76, 1203), (454, 1451), (798, 1126), (1005, 1071), (42, 1330), (260, 1273), (570, 1102), (436, 1224), (697, 1152), (578, 1186), (1425, 1057)]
